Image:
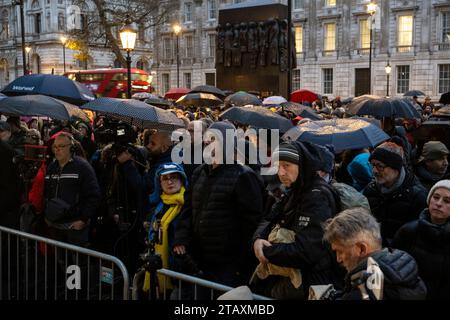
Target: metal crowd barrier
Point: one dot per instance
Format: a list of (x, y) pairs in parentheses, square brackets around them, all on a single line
[(188, 283), (33, 267)]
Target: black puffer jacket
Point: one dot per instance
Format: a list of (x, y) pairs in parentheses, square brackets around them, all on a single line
[(429, 244), (222, 209), (395, 209), (401, 277), (310, 202)]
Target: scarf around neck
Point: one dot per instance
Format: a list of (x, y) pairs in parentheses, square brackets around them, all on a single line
[(396, 185)]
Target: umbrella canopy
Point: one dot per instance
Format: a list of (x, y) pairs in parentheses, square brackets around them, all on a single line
[(176, 93), (257, 117), (412, 93), (242, 98), (347, 100), (41, 106), (389, 108), (209, 89), (300, 110), (199, 100), (355, 102), (228, 92), (303, 95), (157, 101), (274, 100), (445, 98), (142, 96), (434, 129), (341, 133), (136, 113), (50, 85)]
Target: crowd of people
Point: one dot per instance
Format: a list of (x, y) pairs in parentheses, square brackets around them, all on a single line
[(318, 221)]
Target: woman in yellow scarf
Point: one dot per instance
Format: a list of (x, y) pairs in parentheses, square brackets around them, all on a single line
[(170, 183)]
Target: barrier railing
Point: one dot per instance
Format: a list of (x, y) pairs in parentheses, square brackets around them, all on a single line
[(186, 287), (33, 267)]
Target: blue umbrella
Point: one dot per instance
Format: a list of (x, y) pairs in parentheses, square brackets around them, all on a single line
[(341, 133), (136, 113), (413, 93), (41, 106), (54, 86), (301, 110), (388, 108)]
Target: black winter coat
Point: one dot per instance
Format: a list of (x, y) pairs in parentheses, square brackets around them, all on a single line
[(429, 244), (76, 184), (401, 277), (396, 208), (222, 209)]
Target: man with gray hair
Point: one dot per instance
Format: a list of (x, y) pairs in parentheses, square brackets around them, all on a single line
[(373, 273)]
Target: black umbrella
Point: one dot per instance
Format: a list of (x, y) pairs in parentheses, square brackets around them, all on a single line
[(412, 93), (158, 102), (209, 89), (433, 129), (257, 117), (41, 106), (443, 112), (341, 133), (199, 100), (136, 112), (50, 85), (300, 110), (389, 108), (242, 98), (445, 98)]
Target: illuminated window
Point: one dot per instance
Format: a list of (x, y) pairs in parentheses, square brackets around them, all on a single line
[(299, 39), (330, 37), (405, 30), (330, 3), (364, 33), (446, 27)]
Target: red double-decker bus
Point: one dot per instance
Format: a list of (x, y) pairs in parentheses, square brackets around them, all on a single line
[(112, 82)]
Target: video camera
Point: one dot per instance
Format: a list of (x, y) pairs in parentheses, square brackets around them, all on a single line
[(115, 131)]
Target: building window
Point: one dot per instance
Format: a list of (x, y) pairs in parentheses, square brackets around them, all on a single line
[(405, 31), (189, 42), (295, 79), (210, 79), (211, 45), (402, 79), (187, 80), (167, 44), (188, 12), (364, 34), (165, 82), (141, 32), (4, 32), (298, 4), (37, 23), (299, 39), (60, 1), (328, 81), (446, 27), (330, 37), (61, 22), (212, 9), (444, 78), (330, 3)]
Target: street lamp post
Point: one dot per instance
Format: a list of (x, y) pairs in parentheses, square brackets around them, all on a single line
[(22, 31), (388, 70), (28, 49), (128, 39), (371, 10), (64, 41), (177, 30)]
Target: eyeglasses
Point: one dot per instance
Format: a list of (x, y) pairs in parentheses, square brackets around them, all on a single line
[(58, 147), (172, 178), (379, 166)]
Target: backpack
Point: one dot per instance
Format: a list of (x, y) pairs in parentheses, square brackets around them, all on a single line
[(350, 197)]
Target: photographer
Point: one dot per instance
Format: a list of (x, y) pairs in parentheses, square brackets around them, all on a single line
[(71, 193)]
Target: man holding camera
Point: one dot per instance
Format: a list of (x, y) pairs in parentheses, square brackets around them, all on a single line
[(71, 193)]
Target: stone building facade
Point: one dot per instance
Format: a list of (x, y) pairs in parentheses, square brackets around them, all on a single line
[(332, 41), (46, 21)]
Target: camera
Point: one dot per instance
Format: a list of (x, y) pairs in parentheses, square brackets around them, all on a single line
[(115, 131)]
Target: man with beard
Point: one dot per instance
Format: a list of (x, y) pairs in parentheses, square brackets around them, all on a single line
[(433, 164), (395, 195)]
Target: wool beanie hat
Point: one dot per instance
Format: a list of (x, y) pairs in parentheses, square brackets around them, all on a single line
[(287, 152), (440, 184), (390, 154)]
